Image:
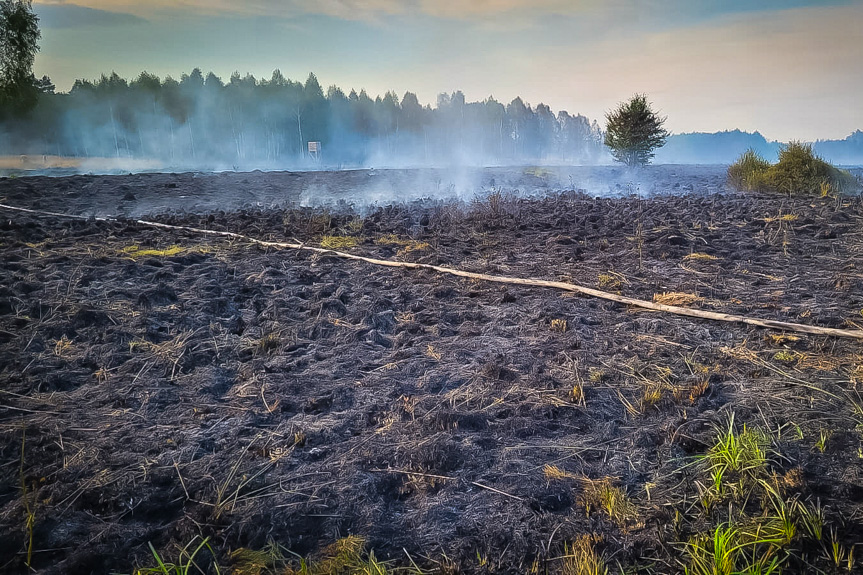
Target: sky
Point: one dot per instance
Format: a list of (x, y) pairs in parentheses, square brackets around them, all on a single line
[(791, 69)]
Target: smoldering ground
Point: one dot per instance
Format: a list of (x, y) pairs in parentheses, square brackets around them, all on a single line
[(135, 195), (161, 386)]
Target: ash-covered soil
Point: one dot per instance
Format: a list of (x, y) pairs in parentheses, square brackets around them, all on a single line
[(167, 385), (134, 195)]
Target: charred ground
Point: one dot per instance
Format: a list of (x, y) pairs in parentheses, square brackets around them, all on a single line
[(170, 385)]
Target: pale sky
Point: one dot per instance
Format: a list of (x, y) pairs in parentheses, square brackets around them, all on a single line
[(791, 69)]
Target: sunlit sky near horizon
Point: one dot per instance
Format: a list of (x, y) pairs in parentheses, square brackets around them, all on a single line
[(790, 69)]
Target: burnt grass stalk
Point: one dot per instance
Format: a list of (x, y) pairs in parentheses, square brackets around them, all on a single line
[(196, 404)]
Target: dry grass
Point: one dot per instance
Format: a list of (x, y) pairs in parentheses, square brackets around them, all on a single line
[(740, 352), (135, 252), (819, 362), (651, 395), (339, 242), (415, 424), (405, 317), (393, 240), (691, 392), (433, 353), (611, 280), (602, 494), (780, 338), (555, 473), (407, 245), (268, 343), (581, 558), (43, 162), (168, 352), (576, 393), (781, 218), (347, 556), (676, 298), (596, 374), (63, 346), (26, 162), (413, 247), (699, 256)]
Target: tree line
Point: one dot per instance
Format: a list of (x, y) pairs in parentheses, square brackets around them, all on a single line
[(246, 121)]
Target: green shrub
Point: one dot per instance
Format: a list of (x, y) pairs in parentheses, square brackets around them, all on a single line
[(798, 171), (747, 172)]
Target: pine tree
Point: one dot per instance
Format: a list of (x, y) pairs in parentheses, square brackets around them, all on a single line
[(634, 131)]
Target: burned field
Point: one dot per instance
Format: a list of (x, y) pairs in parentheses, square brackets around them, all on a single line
[(167, 388)]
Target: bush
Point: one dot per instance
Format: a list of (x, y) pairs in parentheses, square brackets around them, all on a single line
[(798, 171), (748, 171)]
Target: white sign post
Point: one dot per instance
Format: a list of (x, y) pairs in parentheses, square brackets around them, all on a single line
[(315, 151)]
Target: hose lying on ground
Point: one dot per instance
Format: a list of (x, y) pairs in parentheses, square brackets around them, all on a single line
[(677, 310)]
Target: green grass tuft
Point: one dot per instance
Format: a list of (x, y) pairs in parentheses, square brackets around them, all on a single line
[(747, 173), (739, 456), (186, 562)]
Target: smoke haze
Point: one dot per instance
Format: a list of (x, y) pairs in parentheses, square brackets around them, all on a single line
[(202, 122)]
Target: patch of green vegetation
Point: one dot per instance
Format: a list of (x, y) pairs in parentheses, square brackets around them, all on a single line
[(763, 529), (823, 436), (344, 556), (186, 563), (798, 171), (785, 356), (347, 556), (736, 455), (731, 549)]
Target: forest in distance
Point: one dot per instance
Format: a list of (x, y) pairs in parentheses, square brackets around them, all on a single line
[(204, 121)]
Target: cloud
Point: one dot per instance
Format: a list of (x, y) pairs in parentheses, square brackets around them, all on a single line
[(474, 10), (459, 9), (353, 9), (794, 73), (348, 9), (61, 15)]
